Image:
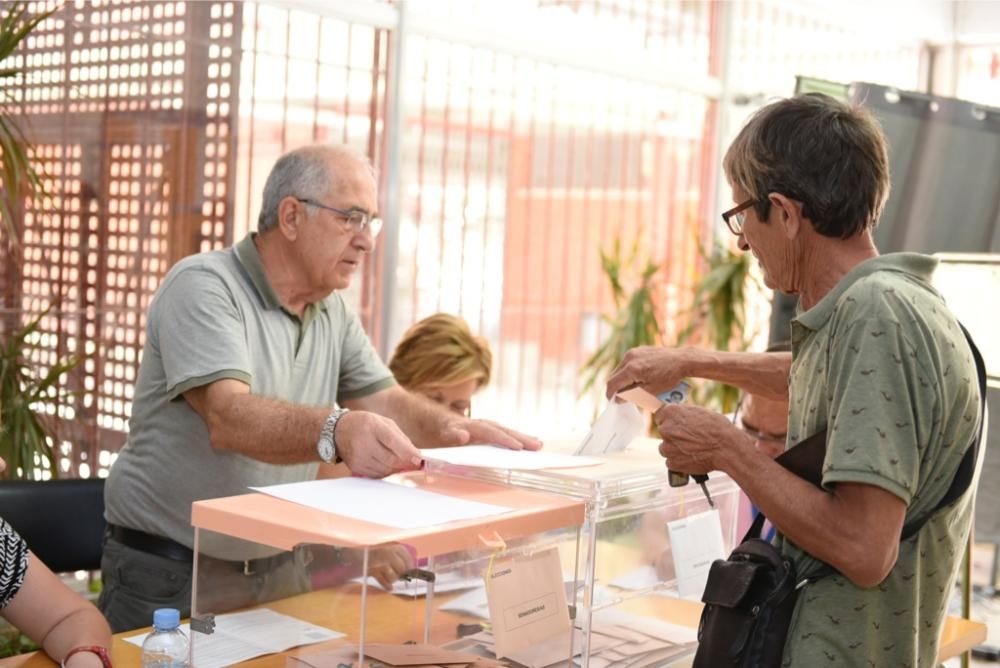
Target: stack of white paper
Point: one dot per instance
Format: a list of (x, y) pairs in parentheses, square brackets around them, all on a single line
[(495, 457), (382, 502), (243, 635)]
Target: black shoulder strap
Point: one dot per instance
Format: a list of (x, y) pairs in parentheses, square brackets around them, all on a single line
[(805, 458)]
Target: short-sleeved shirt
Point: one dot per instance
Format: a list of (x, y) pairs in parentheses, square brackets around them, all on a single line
[(13, 563), (216, 316), (882, 364)]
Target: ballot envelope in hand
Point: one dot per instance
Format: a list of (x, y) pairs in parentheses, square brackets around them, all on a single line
[(622, 422)]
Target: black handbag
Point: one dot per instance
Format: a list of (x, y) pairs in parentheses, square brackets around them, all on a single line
[(749, 597)]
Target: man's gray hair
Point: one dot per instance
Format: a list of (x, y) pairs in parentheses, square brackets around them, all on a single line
[(311, 172)]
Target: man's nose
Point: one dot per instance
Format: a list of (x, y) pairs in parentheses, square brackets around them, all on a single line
[(741, 242), (363, 240)]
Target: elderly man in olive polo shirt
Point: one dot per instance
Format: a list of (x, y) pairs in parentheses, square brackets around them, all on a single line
[(255, 372), (877, 360)]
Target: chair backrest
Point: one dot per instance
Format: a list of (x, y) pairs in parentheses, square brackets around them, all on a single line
[(61, 520)]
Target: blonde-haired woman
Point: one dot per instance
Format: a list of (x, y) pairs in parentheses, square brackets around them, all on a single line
[(440, 358)]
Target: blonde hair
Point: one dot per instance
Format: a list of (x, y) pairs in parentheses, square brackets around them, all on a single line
[(440, 350)]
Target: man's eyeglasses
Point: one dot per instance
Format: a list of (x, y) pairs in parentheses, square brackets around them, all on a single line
[(356, 220), (734, 217)]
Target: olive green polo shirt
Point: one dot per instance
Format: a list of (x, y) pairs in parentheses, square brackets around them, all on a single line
[(217, 316), (881, 363)]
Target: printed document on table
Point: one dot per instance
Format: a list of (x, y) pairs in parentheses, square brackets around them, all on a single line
[(696, 541), (244, 635), (382, 502), (494, 457)]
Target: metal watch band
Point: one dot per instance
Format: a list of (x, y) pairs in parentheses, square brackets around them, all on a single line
[(330, 431)]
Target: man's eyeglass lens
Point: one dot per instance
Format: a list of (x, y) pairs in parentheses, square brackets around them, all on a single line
[(734, 217)]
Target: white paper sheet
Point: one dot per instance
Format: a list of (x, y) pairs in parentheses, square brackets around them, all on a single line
[(382, 502), (643, 577), (649, 626), (471, 603), (696, 541), (445, 582), (474, 602), (243, 635), (491, 456), (617, 426)]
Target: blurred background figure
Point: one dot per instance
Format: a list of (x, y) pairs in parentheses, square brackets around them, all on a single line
[(766, 420), (440, 358)]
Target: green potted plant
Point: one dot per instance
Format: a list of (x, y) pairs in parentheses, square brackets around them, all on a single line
[(718, 316), (26, 440), (634, 291), (26, 434), (19, 176)]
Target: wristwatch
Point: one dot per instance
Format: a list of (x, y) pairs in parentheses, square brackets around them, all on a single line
[(327, 444)]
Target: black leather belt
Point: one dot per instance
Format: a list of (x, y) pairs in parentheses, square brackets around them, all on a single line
[(171, 549)]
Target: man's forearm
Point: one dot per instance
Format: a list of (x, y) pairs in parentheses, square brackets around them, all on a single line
[(267, 429), (422, 420), (817, 521), (765, 374)]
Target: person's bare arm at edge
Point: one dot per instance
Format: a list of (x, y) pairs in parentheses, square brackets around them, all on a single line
[(278, 432), (55, 617), (855, 528), (431, 426), (659, 369)]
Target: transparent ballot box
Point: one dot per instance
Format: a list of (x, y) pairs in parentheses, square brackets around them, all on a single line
[(308, 574), (646, 549)]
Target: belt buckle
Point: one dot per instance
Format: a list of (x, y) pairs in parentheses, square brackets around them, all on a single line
[(247, 567)]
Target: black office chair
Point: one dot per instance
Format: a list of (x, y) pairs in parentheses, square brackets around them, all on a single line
[(61, 520)]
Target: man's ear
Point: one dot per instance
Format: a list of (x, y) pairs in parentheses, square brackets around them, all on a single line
[(788, 214), (289, 211)]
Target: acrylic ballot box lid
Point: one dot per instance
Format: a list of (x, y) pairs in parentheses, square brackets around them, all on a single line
[(631, 472), (282, 524)]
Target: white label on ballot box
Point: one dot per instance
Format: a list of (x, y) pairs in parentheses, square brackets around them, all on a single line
[(527, 601), (695, 541)]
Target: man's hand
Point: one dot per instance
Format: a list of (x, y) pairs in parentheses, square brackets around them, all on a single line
[(653, 369), (387, 563), (697, 440), (373, 446), (462, 431)]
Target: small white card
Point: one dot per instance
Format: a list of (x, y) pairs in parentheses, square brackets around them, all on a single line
[(696, 541)]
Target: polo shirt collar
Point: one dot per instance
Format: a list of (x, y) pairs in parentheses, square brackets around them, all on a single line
[(917, 265), (249, 258)]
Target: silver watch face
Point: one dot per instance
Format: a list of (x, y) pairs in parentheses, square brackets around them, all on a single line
[(325, 447)]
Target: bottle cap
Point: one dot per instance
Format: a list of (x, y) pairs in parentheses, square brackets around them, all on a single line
[(166, 618)]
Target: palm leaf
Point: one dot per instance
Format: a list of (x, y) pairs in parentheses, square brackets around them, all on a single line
[(718, 311), (25, 432), (20, 177)]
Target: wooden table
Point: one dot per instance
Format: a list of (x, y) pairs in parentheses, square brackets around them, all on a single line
[(342, 612)]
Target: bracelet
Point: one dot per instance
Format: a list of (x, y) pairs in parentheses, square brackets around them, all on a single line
[(101, 652)]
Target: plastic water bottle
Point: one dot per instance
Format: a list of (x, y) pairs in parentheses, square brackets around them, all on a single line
[(166, 646)]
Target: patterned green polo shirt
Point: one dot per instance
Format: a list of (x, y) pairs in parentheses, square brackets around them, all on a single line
[(881, 363)]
